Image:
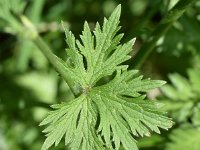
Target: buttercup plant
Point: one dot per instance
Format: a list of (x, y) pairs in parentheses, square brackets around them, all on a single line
[(101, 116), (104, 102), (108, 115)]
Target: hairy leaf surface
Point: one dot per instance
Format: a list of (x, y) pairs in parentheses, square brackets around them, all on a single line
[(108, 115)]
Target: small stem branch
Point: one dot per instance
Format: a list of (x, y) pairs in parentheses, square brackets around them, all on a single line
[(174, 14)]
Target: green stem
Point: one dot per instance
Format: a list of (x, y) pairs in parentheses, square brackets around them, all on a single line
[(174, 14), (56, 62)]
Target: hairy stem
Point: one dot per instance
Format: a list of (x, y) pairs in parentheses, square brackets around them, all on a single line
[(56, 62), (174, 14)]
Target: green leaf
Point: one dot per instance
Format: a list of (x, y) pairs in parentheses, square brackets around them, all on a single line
[(183, 96), (181, 89), (109, 115), (194, 75), (185, 138)]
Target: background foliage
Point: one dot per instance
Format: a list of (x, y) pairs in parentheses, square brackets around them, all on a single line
[(28, 84)]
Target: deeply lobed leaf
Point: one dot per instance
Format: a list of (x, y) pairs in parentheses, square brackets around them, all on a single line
[(183, 96), (184, 138), (109, 115)]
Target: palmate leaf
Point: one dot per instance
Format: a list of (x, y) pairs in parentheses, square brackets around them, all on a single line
[(183, 96), (184, 138), (109, 115)]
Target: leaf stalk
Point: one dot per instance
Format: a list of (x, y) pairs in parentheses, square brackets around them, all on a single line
[(55, 61)]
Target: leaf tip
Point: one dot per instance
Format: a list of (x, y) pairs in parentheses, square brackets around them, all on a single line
[(119, 7), (41, 124), (148, 134), (160, 83), (164, 82), (133, 41), (117, 10), (63, 24)]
